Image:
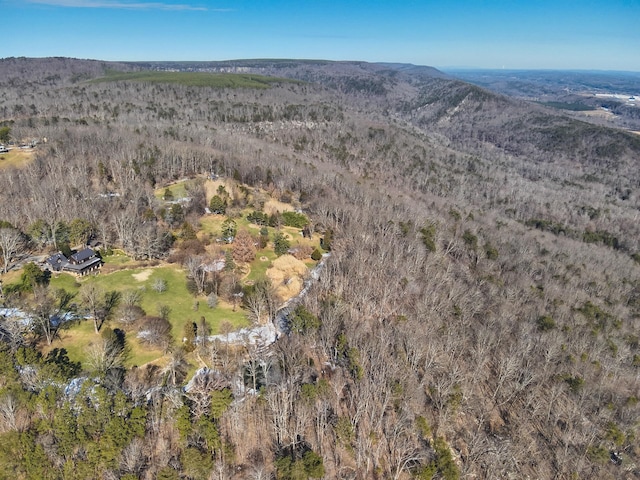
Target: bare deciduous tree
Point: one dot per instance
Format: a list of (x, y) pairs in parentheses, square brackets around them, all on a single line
[(11, 243)]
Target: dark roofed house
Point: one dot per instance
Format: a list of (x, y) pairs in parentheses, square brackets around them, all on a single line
[(56, 261), (82, 256), (80, 263)]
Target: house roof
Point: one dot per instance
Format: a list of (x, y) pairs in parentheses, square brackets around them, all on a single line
[(82, 266), (57, 260), (78, 262), (83, 255)]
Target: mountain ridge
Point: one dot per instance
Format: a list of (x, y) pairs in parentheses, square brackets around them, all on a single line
[(478, 315)]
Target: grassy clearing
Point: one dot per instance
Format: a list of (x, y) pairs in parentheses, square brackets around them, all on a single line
[(210, 225), (196, 79), (178, 190), (79, 339), (272, 206), (183, 306), (65, 281), (11, 277), (574, 107), (259, 266), (15, 158), (287, 276)]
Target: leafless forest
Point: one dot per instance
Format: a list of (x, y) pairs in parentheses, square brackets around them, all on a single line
[(478, 316)]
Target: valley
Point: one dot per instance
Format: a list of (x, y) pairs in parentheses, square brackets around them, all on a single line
[(477, 316)]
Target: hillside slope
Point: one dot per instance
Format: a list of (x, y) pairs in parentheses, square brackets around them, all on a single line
[(478, 316)]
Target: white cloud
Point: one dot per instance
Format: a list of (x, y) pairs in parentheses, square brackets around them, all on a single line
[(125, 5)]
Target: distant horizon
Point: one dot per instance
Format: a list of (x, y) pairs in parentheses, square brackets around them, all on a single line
[(441, 68), (559, 35)]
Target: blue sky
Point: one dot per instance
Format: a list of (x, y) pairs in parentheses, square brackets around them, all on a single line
[(536, 34)]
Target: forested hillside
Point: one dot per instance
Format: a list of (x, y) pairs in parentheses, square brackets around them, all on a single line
[(478, 316)]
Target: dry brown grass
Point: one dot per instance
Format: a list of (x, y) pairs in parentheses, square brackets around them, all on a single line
[(11, 277), (272, 206), (211, 187), (287, 276), (143, 275), (16, 157)]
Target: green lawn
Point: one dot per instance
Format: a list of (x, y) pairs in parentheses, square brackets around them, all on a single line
[(211, 224), (259, 267), (65, 281), (183, 307), (196, 79), (80, 337), (117, 259), (181, 303), (178, 190)]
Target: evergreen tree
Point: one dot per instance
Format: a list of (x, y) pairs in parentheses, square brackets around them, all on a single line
[(217, 205), (229, 230), (280, 243)]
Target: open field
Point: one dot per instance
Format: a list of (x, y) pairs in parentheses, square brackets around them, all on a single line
[(196, 79), (574, 107), (80, 338), (598, 113), (16, 157), (177, 190), (176, 297), (184, 307), (272, 206), (12, 276)]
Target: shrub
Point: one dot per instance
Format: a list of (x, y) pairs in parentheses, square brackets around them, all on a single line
[(302, 320), (548, 226), (159, 285), (264, 237), (470, 240), (309, 466), (598, 454), (444, 462), (601, 236), (428, 235), (575, 383), (32, 276), (129, 314), (302, 252), (490, 251), (316, 255), (295, 219), (327, 240), (229, 230), (189, 336), (244, 250), (187, 232), (258, 218), (545, 323), (212, 300)]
